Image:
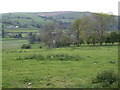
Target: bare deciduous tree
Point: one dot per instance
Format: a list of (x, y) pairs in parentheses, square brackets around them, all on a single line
[(49, 34)]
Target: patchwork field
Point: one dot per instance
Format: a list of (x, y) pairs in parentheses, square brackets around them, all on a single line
[(69, 67)]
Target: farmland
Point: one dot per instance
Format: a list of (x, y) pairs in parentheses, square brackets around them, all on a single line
[(77, 70), (59, 50)]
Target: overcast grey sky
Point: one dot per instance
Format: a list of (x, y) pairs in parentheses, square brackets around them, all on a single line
[(104, 6)]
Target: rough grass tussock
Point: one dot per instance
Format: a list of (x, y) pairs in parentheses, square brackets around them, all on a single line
[(106, 78), (61, 57)]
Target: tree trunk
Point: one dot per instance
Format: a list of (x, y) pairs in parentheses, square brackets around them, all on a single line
[(78, 40)]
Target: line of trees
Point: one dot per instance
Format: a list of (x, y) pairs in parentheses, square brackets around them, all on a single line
[(94, 29)]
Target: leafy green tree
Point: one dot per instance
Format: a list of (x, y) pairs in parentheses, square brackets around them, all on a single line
[(118, 37), (19, 35), (3, 32), (93, 39), (96, 26), (31, 38), (107, 39), (113, 37), (101, 24), (64, 40), (77, 27), (88, 41)]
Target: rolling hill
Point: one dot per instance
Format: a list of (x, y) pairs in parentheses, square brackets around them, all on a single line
[(25, 20)]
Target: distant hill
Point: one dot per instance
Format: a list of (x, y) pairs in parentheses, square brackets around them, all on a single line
[(60, 14), (39, 19)]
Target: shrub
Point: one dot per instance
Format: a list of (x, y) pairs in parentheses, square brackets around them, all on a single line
[(106, 78), (40, 47), (26, 46)]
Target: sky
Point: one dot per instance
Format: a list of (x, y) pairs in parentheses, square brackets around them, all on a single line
[(104, 6)]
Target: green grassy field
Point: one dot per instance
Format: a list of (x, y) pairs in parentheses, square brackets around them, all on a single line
[(69, 67), (13, 43), (20, 30), (24, 32), (34, 18)]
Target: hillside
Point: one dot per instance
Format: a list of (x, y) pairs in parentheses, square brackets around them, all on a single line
[(23, 20)]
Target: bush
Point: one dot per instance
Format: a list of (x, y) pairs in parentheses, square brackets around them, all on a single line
[(40, 47), (106, 77), (26, 46)]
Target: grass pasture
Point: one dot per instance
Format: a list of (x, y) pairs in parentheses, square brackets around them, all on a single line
[(69, 67), (21, 30), (24, 32), (12, 43)]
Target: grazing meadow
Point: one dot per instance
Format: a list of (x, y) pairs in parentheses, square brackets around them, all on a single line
[(65, 67)]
